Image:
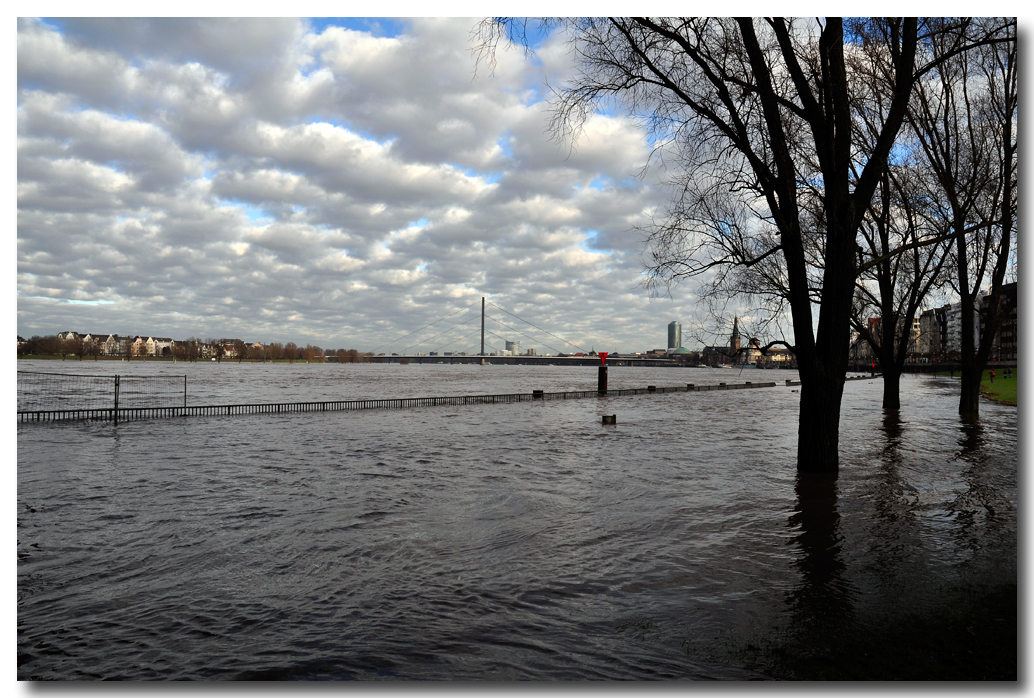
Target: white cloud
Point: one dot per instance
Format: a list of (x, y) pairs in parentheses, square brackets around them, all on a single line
[(254, 178)]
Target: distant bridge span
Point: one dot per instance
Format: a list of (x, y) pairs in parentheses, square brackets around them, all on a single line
[(530, 360)]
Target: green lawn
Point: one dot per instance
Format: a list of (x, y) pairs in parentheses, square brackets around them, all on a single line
[(1003, 390)]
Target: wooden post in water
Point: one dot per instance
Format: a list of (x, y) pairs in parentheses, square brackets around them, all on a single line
[(601, 386), (116, 401)]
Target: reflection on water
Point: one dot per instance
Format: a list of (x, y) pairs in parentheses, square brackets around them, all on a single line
[(971, 438), (908, 558), (519, 541), (820, 604), (892, 430), (975, 509)]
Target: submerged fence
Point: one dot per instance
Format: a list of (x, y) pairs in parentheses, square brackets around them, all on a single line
[(122, 412), (40, 392)]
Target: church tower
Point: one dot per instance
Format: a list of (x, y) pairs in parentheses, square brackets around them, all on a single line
[(734, 342)]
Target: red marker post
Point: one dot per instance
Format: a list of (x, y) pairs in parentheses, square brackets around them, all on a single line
[(602, 387)]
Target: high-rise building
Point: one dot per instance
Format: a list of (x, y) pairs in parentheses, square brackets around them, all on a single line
[(514, 347), (1003, 347), (674, 335)]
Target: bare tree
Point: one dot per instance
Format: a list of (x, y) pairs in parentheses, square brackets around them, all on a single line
[(82, 347), (759, 114), (778, 151), (216, 348), (192, 348), (964, 116), (240, 348), (69, 345), (892, 287), (43, 346)]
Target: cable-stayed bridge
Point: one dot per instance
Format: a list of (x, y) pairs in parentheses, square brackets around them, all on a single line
[(476, 335)]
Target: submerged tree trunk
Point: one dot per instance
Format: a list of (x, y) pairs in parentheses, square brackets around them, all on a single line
[(818, 427), (825, 360), (891, 387), (969, 400)]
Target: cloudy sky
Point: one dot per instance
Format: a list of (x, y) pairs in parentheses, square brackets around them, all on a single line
[(335, 182)]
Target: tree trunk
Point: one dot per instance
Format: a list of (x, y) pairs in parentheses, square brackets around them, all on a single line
[(891, 387), (818, 427), (824, 368), (972, 367), (969, 400)]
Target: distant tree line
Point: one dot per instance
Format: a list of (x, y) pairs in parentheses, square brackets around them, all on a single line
[(52, 345)]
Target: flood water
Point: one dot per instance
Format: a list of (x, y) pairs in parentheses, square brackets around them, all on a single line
[(514, 541)]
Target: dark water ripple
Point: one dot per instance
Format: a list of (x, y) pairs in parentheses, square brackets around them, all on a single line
[(518, 541)]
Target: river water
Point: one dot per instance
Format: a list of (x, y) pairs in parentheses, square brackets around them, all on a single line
[(511, 541)]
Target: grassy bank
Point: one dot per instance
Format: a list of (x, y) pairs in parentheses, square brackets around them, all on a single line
[(1003, 389)]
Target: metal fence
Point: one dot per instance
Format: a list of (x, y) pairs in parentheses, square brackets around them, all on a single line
[(43, 392), (123, 413)]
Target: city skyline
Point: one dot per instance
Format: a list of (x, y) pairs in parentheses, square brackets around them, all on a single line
[(332, 181)]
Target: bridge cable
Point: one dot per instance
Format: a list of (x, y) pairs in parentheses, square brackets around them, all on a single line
[(424, 327), (439, 334), (534, 339), (539, 328), (458, 339)]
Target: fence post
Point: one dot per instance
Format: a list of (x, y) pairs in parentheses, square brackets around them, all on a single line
[(116, 400)]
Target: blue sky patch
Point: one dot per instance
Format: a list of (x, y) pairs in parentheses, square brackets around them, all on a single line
[(488, 177), (381, 27), (71, 301), (591, 241), (504, 145), (254, 213)]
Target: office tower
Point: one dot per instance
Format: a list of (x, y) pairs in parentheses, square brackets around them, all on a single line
[(674, 335)]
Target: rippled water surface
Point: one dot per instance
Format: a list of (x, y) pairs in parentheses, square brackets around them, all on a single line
[(509, 541)]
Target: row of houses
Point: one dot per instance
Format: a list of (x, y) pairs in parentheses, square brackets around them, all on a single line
[(936, 334), (125, 345)]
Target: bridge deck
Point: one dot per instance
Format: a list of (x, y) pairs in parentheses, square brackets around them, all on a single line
[(134, 413)]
